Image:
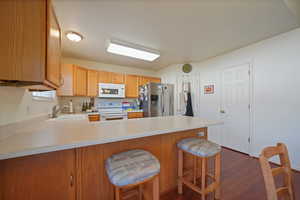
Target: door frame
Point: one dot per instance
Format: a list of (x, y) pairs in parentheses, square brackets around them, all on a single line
[(251, 98)]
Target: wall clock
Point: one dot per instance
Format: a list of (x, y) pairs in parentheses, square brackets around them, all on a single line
[(187, 68)]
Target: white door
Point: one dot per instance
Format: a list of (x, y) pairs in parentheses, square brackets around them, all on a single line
[(235, 107)]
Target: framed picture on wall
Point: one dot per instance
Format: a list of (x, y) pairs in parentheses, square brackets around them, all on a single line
[(209, 89)]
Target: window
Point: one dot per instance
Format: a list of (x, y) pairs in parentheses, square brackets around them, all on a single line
[(44, 96)]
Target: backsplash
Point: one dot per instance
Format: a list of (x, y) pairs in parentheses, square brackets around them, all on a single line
[(78, 101), (17, 104)]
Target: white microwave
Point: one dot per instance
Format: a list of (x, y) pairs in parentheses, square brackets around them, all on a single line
[(109, 90)]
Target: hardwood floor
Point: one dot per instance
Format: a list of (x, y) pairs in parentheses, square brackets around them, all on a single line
[(241, 179)]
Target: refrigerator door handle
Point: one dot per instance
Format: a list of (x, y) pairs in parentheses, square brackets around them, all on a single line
[(162, 104)]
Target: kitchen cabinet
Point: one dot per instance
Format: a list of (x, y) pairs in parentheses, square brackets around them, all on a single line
[(145, 79), (132, 86), (80, 81), (133, 115), (66, 88), (30, 44), (104, 77), (117, 78), (155, 80), (92, 83), (53, 48), (94, 117), (45, 176)]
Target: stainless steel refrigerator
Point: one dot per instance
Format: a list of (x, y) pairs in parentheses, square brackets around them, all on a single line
[(157, 99)]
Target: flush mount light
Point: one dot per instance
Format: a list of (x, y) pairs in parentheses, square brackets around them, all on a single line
[(73, 36), (130, 50)]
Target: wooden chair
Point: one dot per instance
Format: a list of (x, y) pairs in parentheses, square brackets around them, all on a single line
[(269, 173)]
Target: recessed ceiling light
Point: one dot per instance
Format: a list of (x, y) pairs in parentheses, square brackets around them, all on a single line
[(73, 36), (120, 48)]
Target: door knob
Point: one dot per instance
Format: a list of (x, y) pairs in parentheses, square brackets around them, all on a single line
[(222, 111)]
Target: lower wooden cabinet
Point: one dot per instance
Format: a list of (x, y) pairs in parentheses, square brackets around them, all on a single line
[(94, 117), (133, 115), (48, 176)]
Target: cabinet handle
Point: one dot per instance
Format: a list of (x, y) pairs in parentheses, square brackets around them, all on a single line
[(71, 180)]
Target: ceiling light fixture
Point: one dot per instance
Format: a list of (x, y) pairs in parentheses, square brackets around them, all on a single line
[(73, 36), (134, 51)]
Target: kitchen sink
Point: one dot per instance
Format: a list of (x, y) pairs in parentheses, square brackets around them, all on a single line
[(70, 117)]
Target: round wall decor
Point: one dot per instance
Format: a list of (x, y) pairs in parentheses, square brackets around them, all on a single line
[(187, 68)]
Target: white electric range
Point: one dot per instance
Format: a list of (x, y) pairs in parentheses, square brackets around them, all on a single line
[(111, 111)]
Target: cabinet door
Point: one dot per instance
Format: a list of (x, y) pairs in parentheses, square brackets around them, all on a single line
[(53, 48), (66, 88), (117, 78), (155, 80), (132, 85), (92, 83), (45, 176), (80, 81), (23, 40), (104, 77), (134, 115), (144, 80)]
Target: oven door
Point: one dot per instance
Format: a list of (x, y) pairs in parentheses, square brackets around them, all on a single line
[(107, 90)]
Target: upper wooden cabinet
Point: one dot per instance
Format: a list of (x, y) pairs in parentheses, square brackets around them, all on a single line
[(80, 81), (53, 48), (92, 83), (30, 43), (155, 80), (145, 79), (117, 78), (104, 77), (66, 88), (132, 85)]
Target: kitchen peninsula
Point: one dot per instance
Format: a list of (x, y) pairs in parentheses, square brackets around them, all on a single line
[(65, 158)]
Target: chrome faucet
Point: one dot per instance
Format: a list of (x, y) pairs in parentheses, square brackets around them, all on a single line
[(55, 110)]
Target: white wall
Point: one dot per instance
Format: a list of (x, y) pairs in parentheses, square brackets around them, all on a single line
[(110, 67), (16, 104), (276, 94)]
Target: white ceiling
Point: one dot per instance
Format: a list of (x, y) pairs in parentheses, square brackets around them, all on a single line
[(182, 30)]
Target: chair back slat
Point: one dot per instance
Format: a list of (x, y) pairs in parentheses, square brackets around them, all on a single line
[(269, 173), (278, 170)]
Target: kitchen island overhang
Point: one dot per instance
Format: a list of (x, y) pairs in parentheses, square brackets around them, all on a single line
[(55, 135), (63, 165)]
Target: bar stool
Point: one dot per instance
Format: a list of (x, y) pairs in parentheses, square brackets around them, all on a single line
[(132, 169), (203, 149)]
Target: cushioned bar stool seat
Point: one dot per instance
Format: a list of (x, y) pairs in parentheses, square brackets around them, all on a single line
[(199, 147), (133, 168), (202, 149)]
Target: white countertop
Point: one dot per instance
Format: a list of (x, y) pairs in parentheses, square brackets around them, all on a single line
[(67, 133)]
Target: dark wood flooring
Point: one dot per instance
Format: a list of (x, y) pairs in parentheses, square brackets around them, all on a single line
[(241, 180)]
